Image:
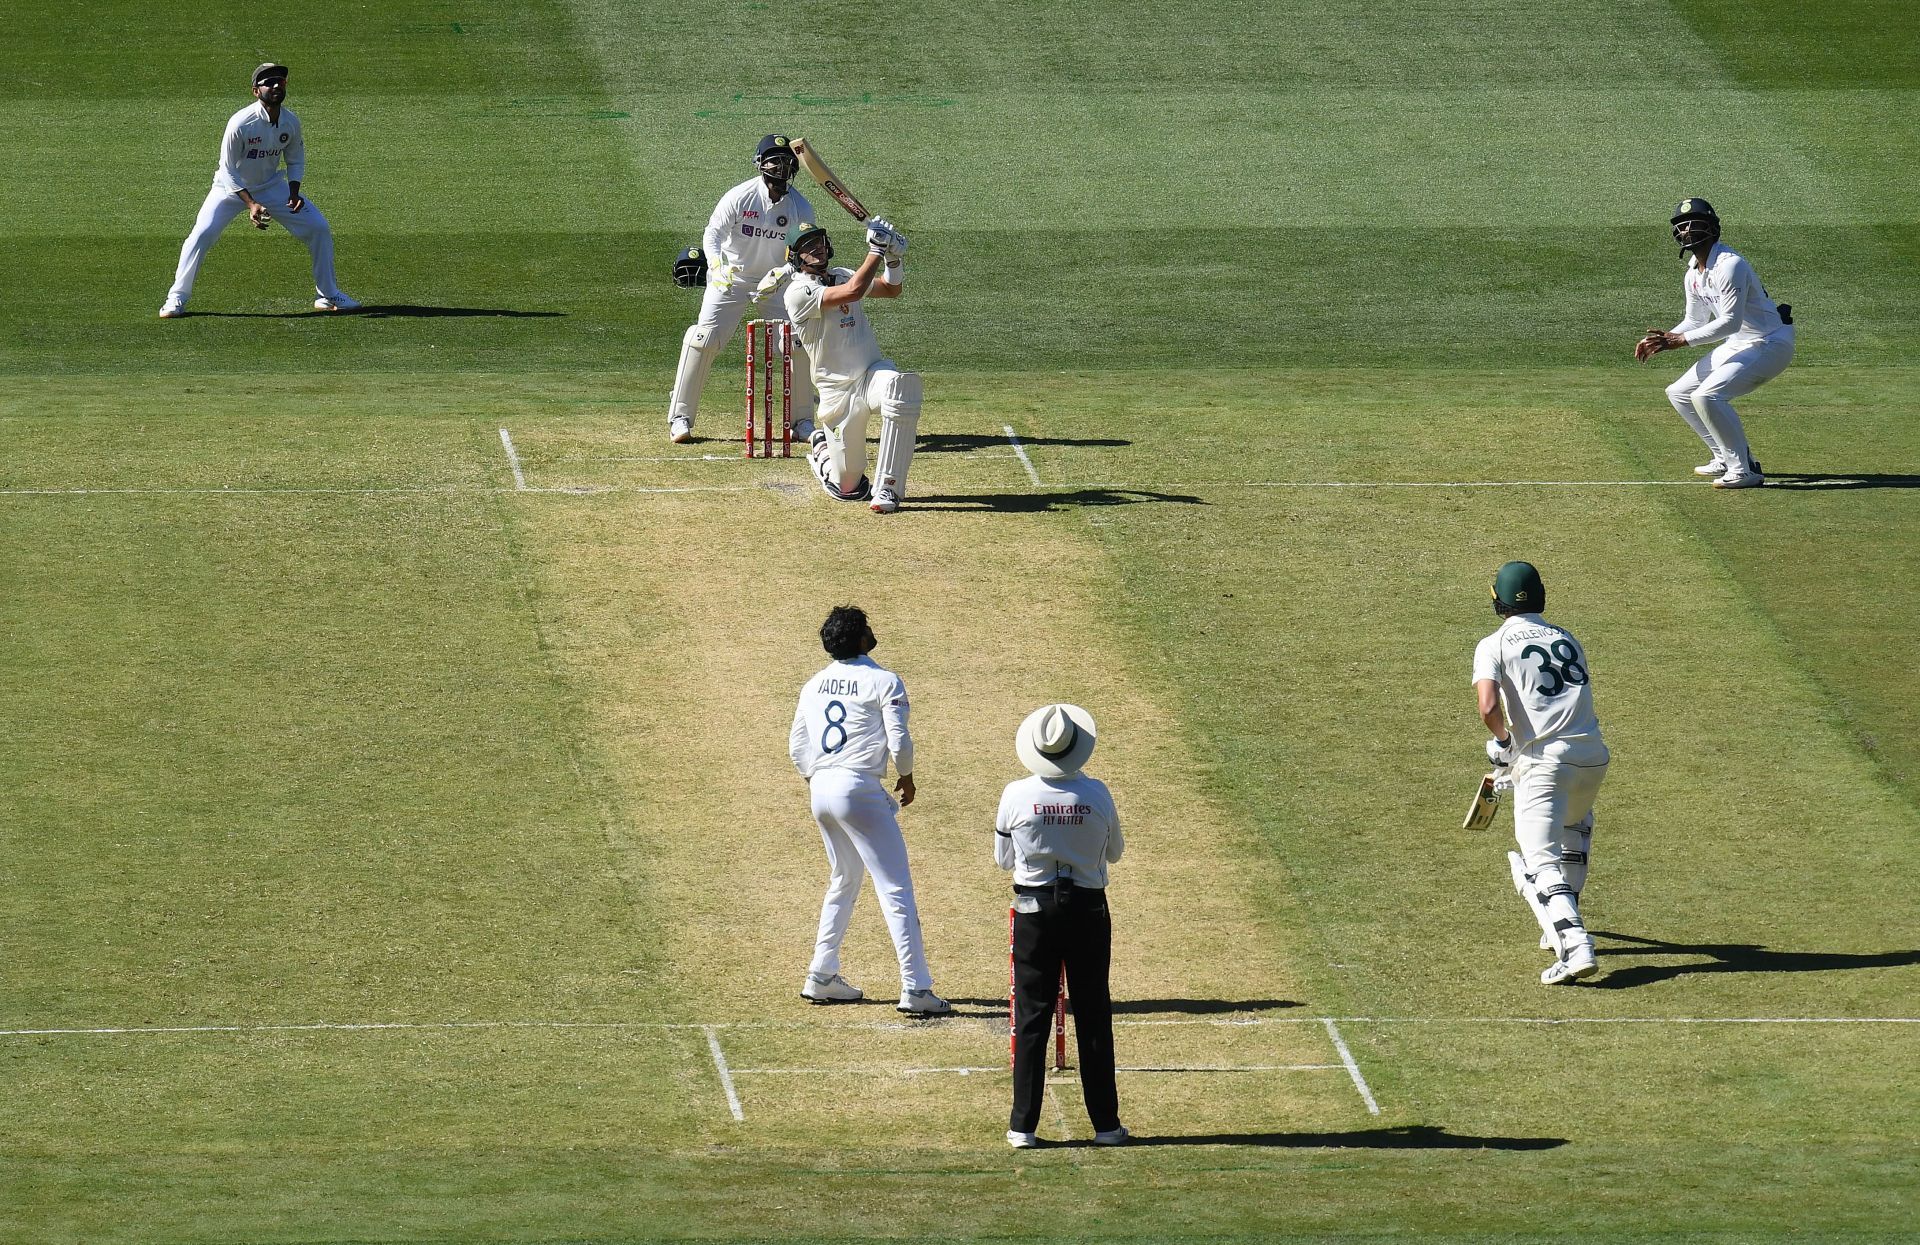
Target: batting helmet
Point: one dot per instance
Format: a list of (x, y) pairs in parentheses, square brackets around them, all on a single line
[(1695, 224), (690, 268), (803, 234), (1517, 586)]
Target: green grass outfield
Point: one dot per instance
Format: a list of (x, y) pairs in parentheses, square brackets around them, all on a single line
[(399, 850)]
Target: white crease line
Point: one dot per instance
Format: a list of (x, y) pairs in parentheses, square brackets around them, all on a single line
[(513, 461), (1353, 1069), (245, 492), (923, 1026), (888, 1070), (1021, 450), (726, 1078)]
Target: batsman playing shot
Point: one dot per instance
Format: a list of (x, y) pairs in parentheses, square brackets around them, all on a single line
[(745, 240), (854, 380), (1533, 690)]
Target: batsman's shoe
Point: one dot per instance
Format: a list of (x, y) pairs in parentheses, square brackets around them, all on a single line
[(339, 302), (1716, 468), (823, 472), (1022, 1141), (172, 309), (1740, 479), (923, 1003), (832, 989), (1578, 965), (816, 439), (885, 501), (680, 430), (1112, 1137)]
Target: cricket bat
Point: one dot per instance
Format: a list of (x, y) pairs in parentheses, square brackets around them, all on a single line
[(811, 161), (1486, 802)]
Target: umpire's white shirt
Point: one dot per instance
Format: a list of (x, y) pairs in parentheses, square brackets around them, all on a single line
[(254, 145), (839, 339), (1542, 674), (1051, 828), (1725, 299), (851, 716), (749, 233)]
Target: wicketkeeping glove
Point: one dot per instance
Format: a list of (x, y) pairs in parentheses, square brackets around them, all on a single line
[(1501, 752), (771, 282)]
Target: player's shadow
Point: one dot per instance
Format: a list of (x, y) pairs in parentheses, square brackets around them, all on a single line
[(1198, 1007), (1812, 481), (1729, 957), (1404, 1137), (966, 442), (1042, 502), (383, 311)]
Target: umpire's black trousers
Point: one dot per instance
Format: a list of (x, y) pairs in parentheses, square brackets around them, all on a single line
[(1070, 927)]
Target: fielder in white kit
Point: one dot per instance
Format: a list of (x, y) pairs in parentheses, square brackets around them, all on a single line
[(248, 178), (1725, 299), (851, 717), (1534, 693), (745, 239), (854, 380)]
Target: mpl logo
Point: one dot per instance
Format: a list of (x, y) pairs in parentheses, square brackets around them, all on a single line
[(750, 215)]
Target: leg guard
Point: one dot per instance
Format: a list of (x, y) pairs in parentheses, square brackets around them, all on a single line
[(699, 347), (899, 426), (1576, 852)]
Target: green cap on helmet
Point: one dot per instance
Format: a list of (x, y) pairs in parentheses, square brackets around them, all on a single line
[(803, 232), (1517, 586)]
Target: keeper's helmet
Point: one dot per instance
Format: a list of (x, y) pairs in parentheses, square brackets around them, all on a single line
[(1695, 223), (814, 241), (1517, 588), (774, 158), (690, 268)]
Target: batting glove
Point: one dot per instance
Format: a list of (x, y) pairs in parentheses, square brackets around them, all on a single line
[(1501, 752)]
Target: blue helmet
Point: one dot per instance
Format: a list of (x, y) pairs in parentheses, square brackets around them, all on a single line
[(1695, 223)]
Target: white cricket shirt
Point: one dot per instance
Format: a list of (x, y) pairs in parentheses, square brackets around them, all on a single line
[(253, 146), (851, 716), (749, 232), (1725, 299), (839, 340), (1051, 828), (1541, 672)]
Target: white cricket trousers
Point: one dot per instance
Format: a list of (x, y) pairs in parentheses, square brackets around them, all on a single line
[(1703, 395), (895, 396), (722, 306), (219, 211), (1553, 799), (862, 835)]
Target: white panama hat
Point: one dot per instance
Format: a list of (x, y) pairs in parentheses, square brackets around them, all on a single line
[(1055, 740)]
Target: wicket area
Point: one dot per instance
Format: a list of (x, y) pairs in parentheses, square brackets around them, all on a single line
[(760, 373)]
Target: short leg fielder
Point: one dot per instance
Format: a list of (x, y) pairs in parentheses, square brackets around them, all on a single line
[(219, 210), (728, 301), (1704, 393), (896, 395)]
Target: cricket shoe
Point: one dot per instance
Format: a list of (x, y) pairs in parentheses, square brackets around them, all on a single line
[(832, 989), (923, 1003), (172, 310), (1115, 1136), (1716, 468), (885, 501), (1578, 965), (1022, 1141), (823, 472), (339, 302), (680, 430), (1745, 478)]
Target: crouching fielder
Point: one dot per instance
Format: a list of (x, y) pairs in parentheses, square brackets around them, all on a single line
[(1548, 733), (853, 379)]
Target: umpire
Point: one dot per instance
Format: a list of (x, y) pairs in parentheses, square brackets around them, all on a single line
[(1057, 830)]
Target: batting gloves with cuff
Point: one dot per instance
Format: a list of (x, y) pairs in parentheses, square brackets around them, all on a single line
[(1501, 752)]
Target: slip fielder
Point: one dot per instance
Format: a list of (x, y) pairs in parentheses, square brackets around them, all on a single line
[(745, 240), (854, 380), (248, 178)]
